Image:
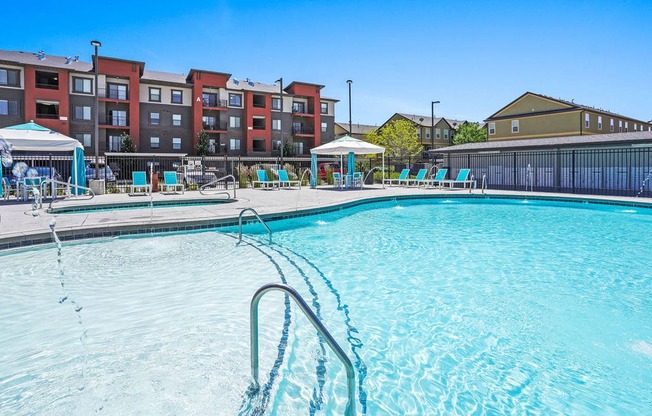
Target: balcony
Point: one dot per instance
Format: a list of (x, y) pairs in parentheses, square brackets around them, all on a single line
[(302, 110), (216, 126), (214, 103), (303, 130), (115, 122), (47, 115), (113, 94)]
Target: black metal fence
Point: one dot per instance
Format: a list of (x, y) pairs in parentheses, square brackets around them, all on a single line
[(617, 171)]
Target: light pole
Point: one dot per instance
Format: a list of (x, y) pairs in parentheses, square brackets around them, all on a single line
[(432, 122), (348, 81), (280, 81), (96, 44)]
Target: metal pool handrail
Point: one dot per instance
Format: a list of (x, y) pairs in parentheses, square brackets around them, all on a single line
[(269, 230), (215, 181), (304, 174), (484, 183), (350, 374), (67, 184)]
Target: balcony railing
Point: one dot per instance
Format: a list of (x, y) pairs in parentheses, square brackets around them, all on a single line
[(113, 94), (47, 86), (46, 115), (258, 127), (215, 103), (302, 109), (214, 126), (303, 130), (117, 121)]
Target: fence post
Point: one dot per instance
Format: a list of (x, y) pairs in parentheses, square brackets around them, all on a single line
[(515, 188)]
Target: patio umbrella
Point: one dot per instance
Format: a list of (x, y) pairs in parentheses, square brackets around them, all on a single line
[(346, 145)]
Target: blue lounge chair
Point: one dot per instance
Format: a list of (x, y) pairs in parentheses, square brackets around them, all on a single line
[(139, 181), (462, 177), (263, 181), (170, 178), (436, 180), (284, 179), (403, 177), (420, 178)]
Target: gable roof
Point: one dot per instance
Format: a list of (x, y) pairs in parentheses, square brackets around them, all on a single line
[(356, 128)]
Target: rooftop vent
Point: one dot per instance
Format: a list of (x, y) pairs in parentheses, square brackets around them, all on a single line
[(76, 58), (40, 55), (68, 60)]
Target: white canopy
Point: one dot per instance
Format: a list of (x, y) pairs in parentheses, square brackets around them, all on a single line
[(37, 139), (347, 144)]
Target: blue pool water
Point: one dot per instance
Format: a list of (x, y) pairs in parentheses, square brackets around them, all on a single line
[(443, 306)]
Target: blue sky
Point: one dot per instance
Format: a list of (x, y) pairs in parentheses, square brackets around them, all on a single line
[(473, 56)]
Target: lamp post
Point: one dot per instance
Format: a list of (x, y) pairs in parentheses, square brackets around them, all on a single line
[(348, 81), (96, 44), (280, 81), (432, 122)]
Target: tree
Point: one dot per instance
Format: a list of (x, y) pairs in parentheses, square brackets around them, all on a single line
[(399, 138), (288, 149), (470, 133), (127, 144), (202, 143)]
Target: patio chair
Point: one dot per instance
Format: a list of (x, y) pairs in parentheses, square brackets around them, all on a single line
[(420, 179), (337, 180), (139, 181), (284, 179), (263, 181), (435, 180), (356, 180), (170, 178), (462, 177), (403, 177), (8, 189), (30, 185)]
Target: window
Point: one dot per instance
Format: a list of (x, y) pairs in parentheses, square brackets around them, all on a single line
[(428, 133), (276, 124), (445, 133), (514, 126), (177, 97), (437, 133), (298, 108), (599, 122), (209, 99), (176, 143), (176, 120), (154, 119), (234, 144), (208, 123), (235, 100), (324, 127), (154, 142), (587, 120), (82, 85), (626, 126), (155, 94), (82, 112), (298, 148), (84, 139), (48, 80), (259, 145), (620, 126), (118, 118), (8, 108), (611, 125), (118, 91), (259, 101), (323, 108), (10, 77), (492, 128), (47, 109), (234, 122), (258, 123), (635, 127), (276, 145), (115, 143), (276, 103)]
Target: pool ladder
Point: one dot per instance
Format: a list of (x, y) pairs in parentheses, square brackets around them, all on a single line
[(321, 329), (269, 230)]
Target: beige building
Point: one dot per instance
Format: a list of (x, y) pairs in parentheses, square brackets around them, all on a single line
[(444, 129), (537, 116), (357, 130)]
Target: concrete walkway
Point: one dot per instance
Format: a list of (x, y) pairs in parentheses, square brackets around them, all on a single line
[(20, 227)]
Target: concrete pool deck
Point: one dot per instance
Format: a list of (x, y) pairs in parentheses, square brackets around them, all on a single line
[(20, 228)]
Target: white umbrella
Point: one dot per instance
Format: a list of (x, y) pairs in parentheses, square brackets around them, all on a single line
[(347, 144)]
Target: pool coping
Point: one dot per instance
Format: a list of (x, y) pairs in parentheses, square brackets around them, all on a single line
[(33, 239)]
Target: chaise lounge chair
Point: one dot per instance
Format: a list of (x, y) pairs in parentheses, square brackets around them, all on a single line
[(420, 179), (170, 178), (263, 181), (462, 177), (139, 181), (436, 180), (403, 177), (284, 179)]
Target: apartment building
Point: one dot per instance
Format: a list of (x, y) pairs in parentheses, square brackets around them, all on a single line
[(162, 112), (444, 129), (538, 116)]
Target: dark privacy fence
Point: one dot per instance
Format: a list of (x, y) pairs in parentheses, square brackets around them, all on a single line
[(621, 171)]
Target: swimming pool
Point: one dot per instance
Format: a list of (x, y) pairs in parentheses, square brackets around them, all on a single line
[(443, 306)]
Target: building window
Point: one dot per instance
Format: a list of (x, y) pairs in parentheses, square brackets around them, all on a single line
[(323, 109), (10, 77), (47, 109), (276, 103), (154, 119), (276, 145), (259, 145), (84, 139), (154, 142), (82, 85), (176, 97), (611, 125), (208, 123), (259, 101), (276, 124), (299, 108), (427, 133), (298, 148), (635, 127), (176, 120), (49, 80), (115, 143), (437, 133), (234, 122), (8, 108), (492, 129), (445, 133), (514, 126), (620, 126), (324, 127), (118, 91), (118, 118), (82, 112), (209, 99), (587, 120), (258, 123), (234, 144), (176, 143), (599, 122), (235, 100), (155, 94), (626, 126)]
